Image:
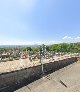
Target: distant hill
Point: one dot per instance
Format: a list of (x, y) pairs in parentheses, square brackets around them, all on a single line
[(18, 46)]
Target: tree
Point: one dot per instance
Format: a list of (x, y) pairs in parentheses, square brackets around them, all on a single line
[(29, 49), (35, 49)]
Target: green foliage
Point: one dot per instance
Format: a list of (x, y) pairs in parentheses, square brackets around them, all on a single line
[(48, 48), (65, 47), (24, 49), (35, 49), (29, 49), (10, 59)]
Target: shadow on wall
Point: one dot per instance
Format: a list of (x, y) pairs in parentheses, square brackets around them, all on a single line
[(17, 79)]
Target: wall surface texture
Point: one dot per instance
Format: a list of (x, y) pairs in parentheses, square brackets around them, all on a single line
[(11, 78)]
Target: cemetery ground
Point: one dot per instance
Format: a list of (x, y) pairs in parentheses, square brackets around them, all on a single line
[(25, 63)]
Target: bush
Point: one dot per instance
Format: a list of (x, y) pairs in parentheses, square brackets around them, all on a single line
[(10, 59)]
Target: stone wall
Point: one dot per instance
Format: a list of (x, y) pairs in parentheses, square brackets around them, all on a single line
[(18, 76)]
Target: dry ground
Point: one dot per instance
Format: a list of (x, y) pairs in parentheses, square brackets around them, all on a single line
[(24, 63)]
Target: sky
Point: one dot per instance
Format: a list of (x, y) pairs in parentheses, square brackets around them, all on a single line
[(24, 22)]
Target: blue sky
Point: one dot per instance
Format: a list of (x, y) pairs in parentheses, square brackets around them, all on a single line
[(39, 21)]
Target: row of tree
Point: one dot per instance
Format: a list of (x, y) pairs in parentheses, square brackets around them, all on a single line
[(63, 47)]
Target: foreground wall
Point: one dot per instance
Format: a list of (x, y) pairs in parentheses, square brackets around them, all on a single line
[(11, 78)]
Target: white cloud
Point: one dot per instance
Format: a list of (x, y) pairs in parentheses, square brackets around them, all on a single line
[(71, 39), (47, 42), (28, 42), (67, 38), (77, 38)]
